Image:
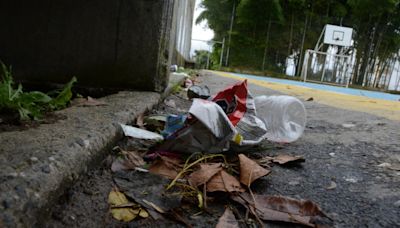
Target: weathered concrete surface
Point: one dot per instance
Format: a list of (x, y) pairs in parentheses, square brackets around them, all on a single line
[(38, 163), (114, 44)]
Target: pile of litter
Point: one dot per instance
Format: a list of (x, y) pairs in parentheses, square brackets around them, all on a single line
[(200, 155)]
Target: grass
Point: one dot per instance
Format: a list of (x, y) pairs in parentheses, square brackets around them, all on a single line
[(30, 105)]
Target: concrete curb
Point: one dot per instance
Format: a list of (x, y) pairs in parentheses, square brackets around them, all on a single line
[(37, 164)]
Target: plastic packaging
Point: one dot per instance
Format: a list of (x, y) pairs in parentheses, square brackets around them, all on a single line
[(284, 116)]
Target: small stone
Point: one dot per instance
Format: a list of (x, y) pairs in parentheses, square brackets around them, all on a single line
[(397, 203), (51, 158), (46, 168), (384, 165), (294, 183), (34, 159), (332, 154), (351, 180)]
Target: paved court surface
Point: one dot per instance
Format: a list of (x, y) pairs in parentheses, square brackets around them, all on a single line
[(377, 103)]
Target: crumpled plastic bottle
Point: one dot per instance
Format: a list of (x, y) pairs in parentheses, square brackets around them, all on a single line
[(284, 116)]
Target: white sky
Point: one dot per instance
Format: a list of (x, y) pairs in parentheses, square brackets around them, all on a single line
[(200, 31)]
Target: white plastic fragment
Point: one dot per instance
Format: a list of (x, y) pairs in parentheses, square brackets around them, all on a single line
[(140, 133)]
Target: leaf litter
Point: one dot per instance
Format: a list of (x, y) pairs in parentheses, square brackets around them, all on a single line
[(175, 180)]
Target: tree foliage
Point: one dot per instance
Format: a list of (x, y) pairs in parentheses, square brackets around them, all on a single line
[(266, 32)]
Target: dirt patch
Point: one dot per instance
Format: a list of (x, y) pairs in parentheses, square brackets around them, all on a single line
[(11, 123)]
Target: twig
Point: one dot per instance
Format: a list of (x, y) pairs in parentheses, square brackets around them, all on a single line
[(188, 166), (205, 196)]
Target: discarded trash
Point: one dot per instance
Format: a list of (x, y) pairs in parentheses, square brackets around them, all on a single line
[(195, 91), (284, 116), (348, 125), (238, 104), (228, 220), (173, 123), (140, 133), (208, 130), (188, 83), (173, 68), (279, 208)]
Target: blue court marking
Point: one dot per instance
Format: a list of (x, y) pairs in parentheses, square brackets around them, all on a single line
[(337, 89)]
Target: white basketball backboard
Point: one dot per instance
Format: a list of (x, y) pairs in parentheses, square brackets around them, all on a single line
[(338, 35)]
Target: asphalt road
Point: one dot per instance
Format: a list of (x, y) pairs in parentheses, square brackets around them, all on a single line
[(352, 169), (362, 160)]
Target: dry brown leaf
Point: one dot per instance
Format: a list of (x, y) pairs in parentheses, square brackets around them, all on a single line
[(88, 102), (283, 159), (250, 170), (222, 181), (140, 121), (167, 167), (227, 220), (130, 160), (116, 198), (204, 174), (279, 208)]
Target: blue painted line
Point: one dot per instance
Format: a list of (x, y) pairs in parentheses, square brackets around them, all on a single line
[(337, 89)]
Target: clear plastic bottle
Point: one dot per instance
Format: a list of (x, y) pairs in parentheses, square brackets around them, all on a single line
[(284, 116)]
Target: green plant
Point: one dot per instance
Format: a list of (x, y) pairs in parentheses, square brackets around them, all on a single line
[(29, 105)]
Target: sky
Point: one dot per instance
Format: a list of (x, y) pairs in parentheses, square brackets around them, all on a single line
[(200, 31)]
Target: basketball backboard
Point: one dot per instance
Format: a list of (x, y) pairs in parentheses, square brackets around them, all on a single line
[(338, 35)]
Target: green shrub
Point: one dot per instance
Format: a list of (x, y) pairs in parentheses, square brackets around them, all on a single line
[(30, 105)]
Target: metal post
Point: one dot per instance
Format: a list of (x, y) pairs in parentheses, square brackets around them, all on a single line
[(222, 53), (208, 59), (302, 43), (230, 34)]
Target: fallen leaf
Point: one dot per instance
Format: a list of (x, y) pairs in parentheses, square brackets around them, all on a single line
[(279, 208), (148, 190), (129, 161), (143, 213), (88, 102), (155, 122), (116, 198), (332, 186), (222, 181), (227, 220), (154, 206), (284, 159), (140, 121), (167, 167), (204, 174), (250, 170)]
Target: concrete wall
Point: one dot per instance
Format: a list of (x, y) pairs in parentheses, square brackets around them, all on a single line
[(183, 20), (105, 43)]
